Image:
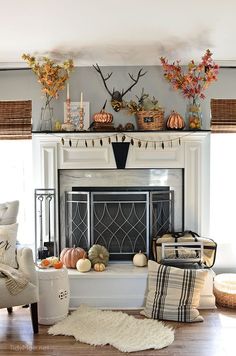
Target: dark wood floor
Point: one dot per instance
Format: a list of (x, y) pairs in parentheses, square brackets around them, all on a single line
[(216, 336)]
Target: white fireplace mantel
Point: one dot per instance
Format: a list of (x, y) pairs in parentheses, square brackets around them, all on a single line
[(192, 153), (187, 150)]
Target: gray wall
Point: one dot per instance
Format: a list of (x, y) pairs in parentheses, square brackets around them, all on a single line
[(23, 85)]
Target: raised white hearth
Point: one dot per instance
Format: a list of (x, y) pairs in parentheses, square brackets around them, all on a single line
[(122, 285)]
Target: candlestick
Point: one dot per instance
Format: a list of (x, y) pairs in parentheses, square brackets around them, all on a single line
[(68, 92), (81, 100), (68, 124), (80, 124), (68, 111)]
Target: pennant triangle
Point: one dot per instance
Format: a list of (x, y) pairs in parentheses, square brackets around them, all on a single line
[(120, 150)]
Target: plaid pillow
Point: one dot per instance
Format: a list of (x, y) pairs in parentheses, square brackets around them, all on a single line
[(173, 293)]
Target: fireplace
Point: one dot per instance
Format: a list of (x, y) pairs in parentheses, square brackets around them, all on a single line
[(69, 166), (121, 210), (72, 166)]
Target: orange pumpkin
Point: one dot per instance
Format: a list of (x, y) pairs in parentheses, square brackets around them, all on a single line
[(70, 255), (58, 265), (175, 121), (103, 116)]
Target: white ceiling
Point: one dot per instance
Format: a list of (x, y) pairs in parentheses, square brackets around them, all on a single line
[(117, 32)]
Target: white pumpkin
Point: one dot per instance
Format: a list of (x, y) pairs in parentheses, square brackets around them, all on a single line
[(83, 265), (139, 259), (99, 267)]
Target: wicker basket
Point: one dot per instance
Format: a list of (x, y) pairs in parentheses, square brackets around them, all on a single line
[(225, 290), (150, 120)]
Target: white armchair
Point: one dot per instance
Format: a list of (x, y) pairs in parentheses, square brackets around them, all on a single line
[(30, 294)]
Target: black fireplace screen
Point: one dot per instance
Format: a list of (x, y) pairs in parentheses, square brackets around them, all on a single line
[(124, 221)]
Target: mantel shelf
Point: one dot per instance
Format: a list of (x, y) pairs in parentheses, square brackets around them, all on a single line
[(117, 132)]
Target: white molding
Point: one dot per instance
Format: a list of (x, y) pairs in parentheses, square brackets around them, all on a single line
[(192, 215), (152, 158), (49, 175), (90, 157), (197, 184), (49, 164)]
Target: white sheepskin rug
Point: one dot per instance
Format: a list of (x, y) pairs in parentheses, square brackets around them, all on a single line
[(123, 331)]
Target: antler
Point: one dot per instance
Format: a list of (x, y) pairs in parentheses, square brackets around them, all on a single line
[(117, 96), (140, 74), (104, 79)]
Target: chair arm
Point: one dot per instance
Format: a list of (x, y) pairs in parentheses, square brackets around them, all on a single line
[(26, 264)]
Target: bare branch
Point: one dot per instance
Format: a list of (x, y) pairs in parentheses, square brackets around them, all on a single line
[(103, 78), (140, 74)]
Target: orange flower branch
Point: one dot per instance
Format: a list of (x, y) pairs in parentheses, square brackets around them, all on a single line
[(51, 76), (196, 80)]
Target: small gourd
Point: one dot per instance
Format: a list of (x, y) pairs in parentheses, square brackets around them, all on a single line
[(139, 259), (98, 254), (175, 121), (99, 267), (84, 264), (70, 255), (103, 116)]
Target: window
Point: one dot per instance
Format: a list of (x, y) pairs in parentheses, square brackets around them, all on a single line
[(223, 197), (16, 183)]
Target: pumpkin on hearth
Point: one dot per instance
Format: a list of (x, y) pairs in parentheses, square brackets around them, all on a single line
[(139, 259), (98, 254), (175, 121), (99, 267), (103, 117), (70, 255), (83, 264)]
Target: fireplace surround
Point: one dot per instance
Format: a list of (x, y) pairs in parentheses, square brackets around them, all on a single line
[(188, 151), (124, 285)]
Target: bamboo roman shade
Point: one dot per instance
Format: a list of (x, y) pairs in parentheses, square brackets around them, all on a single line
[(223, 115), (15, 120)]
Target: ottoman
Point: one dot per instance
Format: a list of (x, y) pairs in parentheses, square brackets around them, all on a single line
[(225, 289)]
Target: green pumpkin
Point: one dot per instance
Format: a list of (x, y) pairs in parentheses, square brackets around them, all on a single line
[(98, 254)]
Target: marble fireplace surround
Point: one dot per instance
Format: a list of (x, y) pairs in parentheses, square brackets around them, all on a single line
[(113, 180), (191, 155)]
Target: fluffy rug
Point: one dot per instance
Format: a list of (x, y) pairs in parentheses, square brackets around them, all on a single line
[(123, 331)]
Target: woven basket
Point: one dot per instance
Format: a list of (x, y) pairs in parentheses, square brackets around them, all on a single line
[(225, 290), (150, 120)]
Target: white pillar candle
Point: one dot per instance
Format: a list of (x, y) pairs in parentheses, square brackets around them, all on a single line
[(81, 100), (68, 92)]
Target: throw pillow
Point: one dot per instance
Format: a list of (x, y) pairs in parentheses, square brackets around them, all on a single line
[(8, 244), (173, 293), (8, 212)]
